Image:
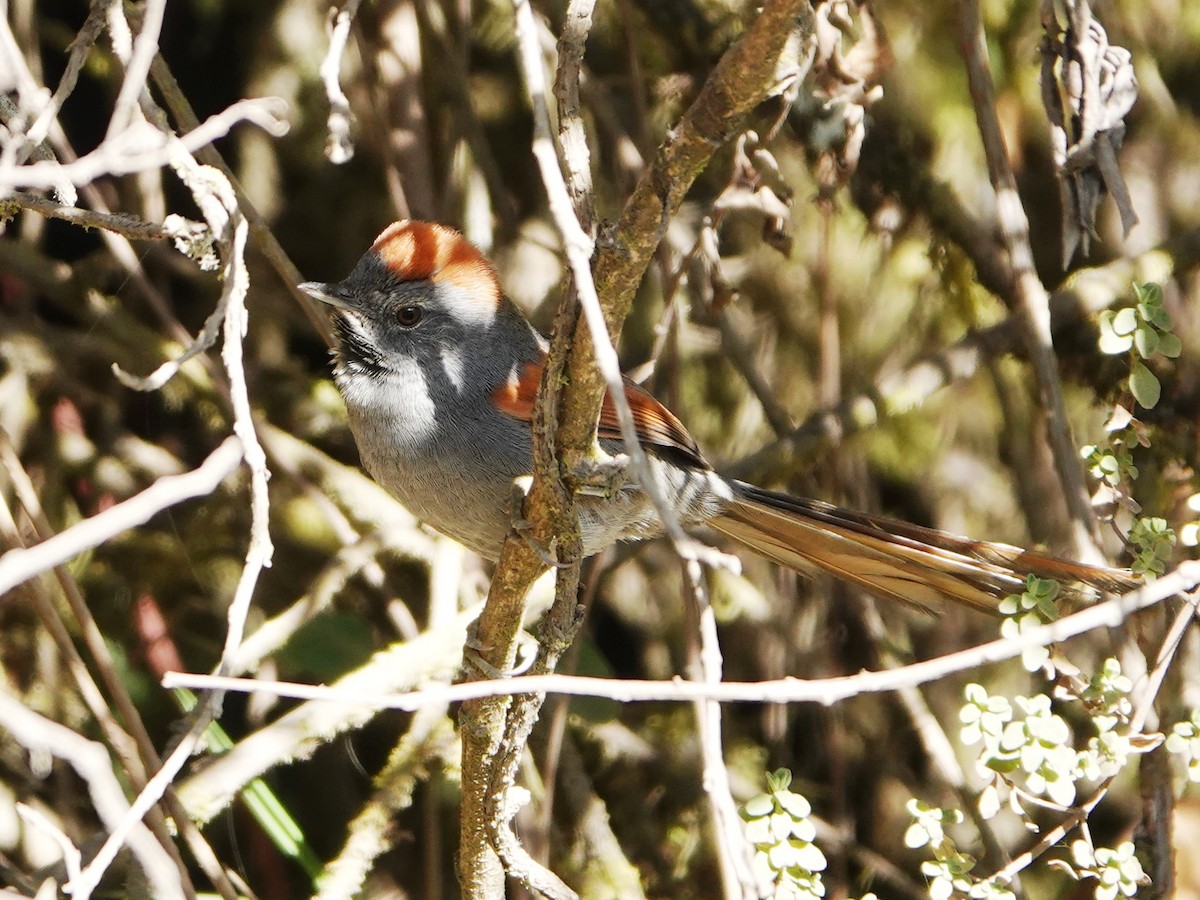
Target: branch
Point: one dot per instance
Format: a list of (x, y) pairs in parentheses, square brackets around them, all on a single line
[(20, 564), (493, 733), (825, 691), (142, 149), (339, 148), (1032, 301), (125, 224), (92, 762)]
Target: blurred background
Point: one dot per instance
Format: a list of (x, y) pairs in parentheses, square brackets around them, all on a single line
[(827, 318)]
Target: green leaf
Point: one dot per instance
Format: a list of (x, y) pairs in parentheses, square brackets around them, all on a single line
[(1124, 322), (1144, 386), (1169, 345), (1157, 316), (1112, 344), (1047, 608), (779, 780), (1149, 293), (1145, 339)]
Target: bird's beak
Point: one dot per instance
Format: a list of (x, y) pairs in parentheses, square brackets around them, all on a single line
[(326, 293)]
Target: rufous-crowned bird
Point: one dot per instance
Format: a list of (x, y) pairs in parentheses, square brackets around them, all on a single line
[(439, 371)]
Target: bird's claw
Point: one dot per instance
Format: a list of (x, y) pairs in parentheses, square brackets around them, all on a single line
[(524, 528), (600, 476), (473, 649)]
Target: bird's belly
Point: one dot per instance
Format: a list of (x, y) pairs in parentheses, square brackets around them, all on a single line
[(474, 512), (452, 482)]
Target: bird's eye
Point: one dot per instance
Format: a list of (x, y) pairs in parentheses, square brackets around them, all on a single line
[(408, 316)]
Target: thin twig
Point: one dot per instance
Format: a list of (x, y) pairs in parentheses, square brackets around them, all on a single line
[(19, 563), (339, 148), (825, 691), (94, 766), (144, 149), (258, 554), (1032, 301), (137, 68), (124, 224), (264, 238), (81, 47)]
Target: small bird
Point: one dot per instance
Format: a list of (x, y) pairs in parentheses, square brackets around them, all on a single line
[(439, 371)]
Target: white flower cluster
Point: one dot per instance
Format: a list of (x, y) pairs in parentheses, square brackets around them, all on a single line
[(1184, 741), (949, 872), (1118, 872), (1037, 745), (778, 825), (785, 857), (1027, 752)]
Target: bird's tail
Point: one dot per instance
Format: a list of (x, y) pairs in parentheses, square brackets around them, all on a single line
[(918, 566)]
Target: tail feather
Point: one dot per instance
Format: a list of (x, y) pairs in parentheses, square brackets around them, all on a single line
[(915, 565)]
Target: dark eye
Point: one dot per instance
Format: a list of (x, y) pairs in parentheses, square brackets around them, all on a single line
[(409, 316)]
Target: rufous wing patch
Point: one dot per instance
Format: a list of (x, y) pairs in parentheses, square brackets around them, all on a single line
[(427, 251), (515, 397), (655, 424)]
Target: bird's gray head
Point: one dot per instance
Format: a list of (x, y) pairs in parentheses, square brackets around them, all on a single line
[(422, 294)]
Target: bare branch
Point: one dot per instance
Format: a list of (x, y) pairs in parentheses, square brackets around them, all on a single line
[(94, 766), (19, 564), (137, 66), (125, 224), (826, 691), (340, 146), (142, 148), (1032, 301)]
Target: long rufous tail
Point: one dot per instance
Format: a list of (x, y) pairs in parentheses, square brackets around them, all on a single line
[(916, 565)]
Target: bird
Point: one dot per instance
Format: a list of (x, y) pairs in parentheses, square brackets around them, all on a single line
[(439, 371)]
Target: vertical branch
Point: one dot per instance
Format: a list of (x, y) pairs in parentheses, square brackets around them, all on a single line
[(495, 731), (339, 146), (1032, 301), (745, 75)]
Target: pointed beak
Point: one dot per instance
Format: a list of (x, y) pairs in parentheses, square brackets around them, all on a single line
[(326, 293)]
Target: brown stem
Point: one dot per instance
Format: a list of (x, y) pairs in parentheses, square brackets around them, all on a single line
[(1032, 300)]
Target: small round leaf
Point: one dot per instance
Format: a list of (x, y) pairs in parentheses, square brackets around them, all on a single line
[(1144, 386)]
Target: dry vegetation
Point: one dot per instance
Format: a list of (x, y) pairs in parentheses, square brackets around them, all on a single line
[(836, 309)]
